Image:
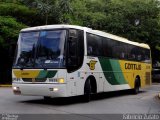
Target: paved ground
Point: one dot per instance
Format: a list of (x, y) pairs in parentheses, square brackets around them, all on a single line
[(109, 103)]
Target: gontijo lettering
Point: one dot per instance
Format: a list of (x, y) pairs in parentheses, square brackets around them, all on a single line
[(132, 66)]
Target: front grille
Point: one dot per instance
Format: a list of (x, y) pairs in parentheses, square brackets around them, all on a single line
[(34, 79), (27, 79)]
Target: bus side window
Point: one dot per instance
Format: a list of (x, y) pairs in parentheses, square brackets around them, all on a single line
[(132, 52), (107, 51), (94, 45), (122, 56), (120, 50), (89, 50)]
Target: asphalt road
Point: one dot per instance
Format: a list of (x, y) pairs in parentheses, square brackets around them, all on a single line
[(122, 102)]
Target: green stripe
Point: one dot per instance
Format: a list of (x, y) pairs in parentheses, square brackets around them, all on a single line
[(51, 74), (46, 74), (42, 74), (112, 71), (118, 72)]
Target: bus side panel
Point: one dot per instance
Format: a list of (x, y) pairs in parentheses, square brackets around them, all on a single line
[(72, 80), (113, 74), (110, 74), (133, 69), (89, 68), (110, 77)]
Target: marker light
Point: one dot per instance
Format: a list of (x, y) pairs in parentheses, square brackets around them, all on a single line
[(61, 80)]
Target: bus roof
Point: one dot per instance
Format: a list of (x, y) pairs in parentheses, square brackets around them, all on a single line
[(97, 32), (48, 27)]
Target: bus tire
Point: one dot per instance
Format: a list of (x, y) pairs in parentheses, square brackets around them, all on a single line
[(87, 91), (136, 86), (47, 98)]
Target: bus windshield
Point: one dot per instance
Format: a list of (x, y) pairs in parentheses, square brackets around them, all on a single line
[(42, 49)]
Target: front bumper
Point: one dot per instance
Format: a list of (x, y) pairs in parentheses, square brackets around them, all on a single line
[(50, 90)]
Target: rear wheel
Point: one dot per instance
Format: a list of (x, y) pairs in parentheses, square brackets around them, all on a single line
[(87, 91), (136, 86)]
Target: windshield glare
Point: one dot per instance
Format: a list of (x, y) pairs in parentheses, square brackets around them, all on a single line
[(43, 49)]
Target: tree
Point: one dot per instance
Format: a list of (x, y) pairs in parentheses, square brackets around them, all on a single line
[(90, 13), (21, 13), (134, 19), (64, 9), (44, 7), (9, 30)]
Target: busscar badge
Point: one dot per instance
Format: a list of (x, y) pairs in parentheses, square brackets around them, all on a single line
[(92, 64)]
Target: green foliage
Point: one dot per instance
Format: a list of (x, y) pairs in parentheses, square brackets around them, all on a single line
[(90, 13), (64, 10), (43, 7), (22, 13), (9, 30), (134, 19)]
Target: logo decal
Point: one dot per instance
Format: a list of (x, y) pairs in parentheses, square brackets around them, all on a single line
[(133, 66), (92, 64)]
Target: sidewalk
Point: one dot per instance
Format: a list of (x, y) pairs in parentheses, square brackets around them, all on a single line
[(5, 85)]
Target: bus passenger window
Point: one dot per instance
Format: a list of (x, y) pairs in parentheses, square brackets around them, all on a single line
[(94, 45), (107, 48), (122, 55), (139, 57), (90, 50)]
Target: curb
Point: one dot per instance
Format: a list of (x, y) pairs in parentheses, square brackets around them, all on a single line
[(5, 85)]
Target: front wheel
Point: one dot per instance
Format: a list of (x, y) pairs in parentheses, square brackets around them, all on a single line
[(47, 98), (87, 91)]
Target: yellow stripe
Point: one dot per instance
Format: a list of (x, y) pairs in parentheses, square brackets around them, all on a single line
[(26, 73), (133, 70)]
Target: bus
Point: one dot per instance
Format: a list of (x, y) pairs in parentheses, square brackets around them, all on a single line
[(68, 60)]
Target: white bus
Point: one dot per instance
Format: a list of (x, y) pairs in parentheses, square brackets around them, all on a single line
[(68, 60)]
